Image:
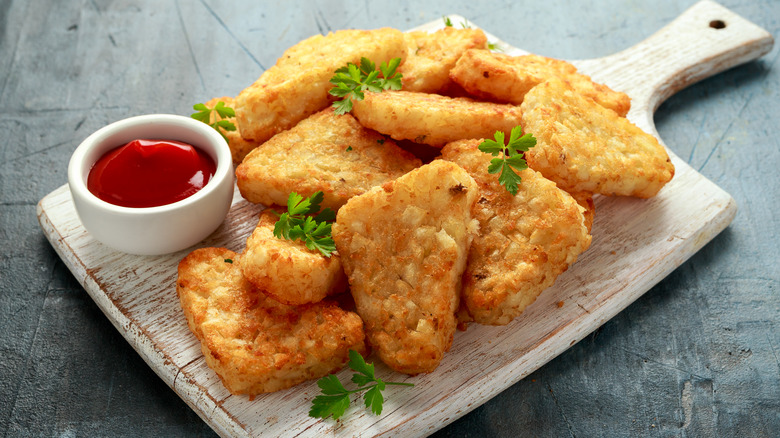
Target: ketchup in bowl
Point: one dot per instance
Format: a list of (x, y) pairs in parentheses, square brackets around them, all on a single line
[(150, 173)]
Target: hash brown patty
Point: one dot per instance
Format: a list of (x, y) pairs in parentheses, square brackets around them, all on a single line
[(254, 343), (404, 248), (524, 243)]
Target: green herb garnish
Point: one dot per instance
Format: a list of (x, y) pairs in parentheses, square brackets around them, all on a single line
[(511, 156), (465, 25), (335, 398), (351, 81), (298, 224), (203, 114)]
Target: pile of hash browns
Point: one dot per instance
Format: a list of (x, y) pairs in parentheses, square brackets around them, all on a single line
[(427, 239)]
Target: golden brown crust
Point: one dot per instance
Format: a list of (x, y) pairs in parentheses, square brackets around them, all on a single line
[(497, 76), (239, 147), (326, 152), (524, 242), (288, 271), (433, 119), (404, 246), (585, 147), (431, 56), (297, 86), (585, 200), (253, 343)]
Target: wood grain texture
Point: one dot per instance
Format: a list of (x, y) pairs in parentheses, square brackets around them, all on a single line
[(636, 244)]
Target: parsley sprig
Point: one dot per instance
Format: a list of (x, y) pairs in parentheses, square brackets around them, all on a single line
[(335, 397), (448, 22), (352, 80), (465, 24), (203, 114), (511, 156), (298, 224)]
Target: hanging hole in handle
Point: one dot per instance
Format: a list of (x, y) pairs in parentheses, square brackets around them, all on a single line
[(718, 24)]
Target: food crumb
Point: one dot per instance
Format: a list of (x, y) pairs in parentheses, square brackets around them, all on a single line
[(560, 304)]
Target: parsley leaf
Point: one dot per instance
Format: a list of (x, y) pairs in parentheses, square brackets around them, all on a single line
[(511, 156), (447, 21), (374, 398), (343, 106), (298, 224), (392, 80), (204, 114), (323, 406), (331, 385), (349, 82), (357, 364), (335, 398)]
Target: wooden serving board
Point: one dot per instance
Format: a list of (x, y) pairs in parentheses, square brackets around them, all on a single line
[(636, 243)]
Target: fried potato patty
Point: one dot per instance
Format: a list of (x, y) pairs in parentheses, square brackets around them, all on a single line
[(254, 343), (297, 86), (431, 56), (582, 146), (433, 119), (524, 242), (239, 147), (404, 247), (288, 271), (326, 152), (505, 78)]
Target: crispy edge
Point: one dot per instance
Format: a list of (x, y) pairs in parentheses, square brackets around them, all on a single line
[(431, 56), (409, 317), (525, 241), (297, 86), (585, 147), (505, 78), (278, 347), (433, 119), (342, 159)]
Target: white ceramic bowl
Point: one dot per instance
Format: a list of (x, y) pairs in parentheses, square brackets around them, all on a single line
[(153, 230)]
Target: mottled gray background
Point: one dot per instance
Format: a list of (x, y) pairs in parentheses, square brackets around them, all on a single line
[(696, 356)]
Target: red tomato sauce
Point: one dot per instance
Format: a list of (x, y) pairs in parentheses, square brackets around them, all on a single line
[(150, 173)]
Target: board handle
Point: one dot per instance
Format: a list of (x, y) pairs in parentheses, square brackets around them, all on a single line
[(705, 40)]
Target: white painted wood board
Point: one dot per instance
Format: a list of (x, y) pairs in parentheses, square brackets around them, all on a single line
[(636, 243)]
